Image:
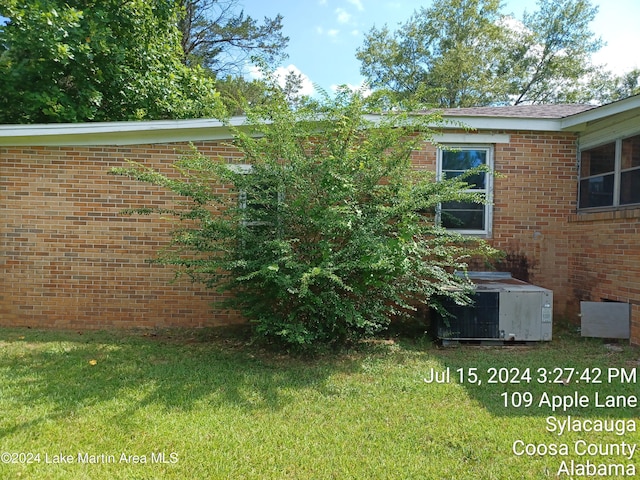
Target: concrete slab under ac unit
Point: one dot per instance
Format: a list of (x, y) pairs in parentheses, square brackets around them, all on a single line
[(605, 319)]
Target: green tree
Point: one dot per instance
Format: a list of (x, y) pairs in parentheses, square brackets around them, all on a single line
[(610, 88), (626, 85), (82, 60), (461, 53), (330, 232), (549, 60), (217, 35), (442, 55), (237, 92)]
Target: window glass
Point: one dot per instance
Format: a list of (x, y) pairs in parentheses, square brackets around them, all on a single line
[(456, 163), (466, 216), (476, 181), (596, 161), (631, 153), (610, 174), (463, 159), (630, 187), (463, 215), (596, 191), (260, 199)]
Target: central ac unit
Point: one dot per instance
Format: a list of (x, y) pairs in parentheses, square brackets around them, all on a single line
[(504, 309)]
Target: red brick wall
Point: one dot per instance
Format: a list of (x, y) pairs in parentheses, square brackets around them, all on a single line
[(70, 259), (534, 194), (605, 261), (593, 256)]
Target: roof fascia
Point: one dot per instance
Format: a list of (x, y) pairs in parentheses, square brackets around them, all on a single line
[(506, 123), (124, 133), (118, 133), (168, 131)]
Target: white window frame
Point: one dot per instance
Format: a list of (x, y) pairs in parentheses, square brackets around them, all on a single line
[(247, 169), (617, 175), (488, 190)]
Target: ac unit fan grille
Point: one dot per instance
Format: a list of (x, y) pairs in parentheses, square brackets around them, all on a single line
[(480, 320)]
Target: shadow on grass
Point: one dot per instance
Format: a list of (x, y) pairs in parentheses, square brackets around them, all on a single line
[(52, 375), (63, 372), (545, 378)]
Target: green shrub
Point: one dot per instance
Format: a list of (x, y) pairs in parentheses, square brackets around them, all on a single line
[(331, 232)]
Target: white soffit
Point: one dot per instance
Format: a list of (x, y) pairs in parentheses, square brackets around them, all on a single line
[(607, 131), (116, 133), (581, 121), (507, 123), (472, 138)]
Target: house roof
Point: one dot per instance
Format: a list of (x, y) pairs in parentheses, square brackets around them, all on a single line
[(554, 118), (549, 118), (521, 111)]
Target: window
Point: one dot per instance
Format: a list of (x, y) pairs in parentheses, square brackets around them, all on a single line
[(630, 171), (610, 174), (260, 200), (597, 174), (467, 217)]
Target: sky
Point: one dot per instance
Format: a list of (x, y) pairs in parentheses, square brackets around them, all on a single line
[(325, 34)]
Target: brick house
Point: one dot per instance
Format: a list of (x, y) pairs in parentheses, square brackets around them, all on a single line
[(565, 209)]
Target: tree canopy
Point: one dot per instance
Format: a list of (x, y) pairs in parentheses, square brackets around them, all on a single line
[(441, 54), (217, 35), (460, 53), (82, 60), (607, 87)]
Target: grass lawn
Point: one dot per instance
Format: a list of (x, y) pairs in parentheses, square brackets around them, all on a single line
[(199, 405)]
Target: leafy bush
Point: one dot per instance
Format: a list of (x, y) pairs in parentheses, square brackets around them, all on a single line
[(328, 232)]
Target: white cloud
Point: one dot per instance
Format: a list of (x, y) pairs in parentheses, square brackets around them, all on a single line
[(512, 24), (254, 72), (333, 32), (357, 4), (617, 24), (616, 58), (343, 15), (307, 84), (515, 29), (281, 73)]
